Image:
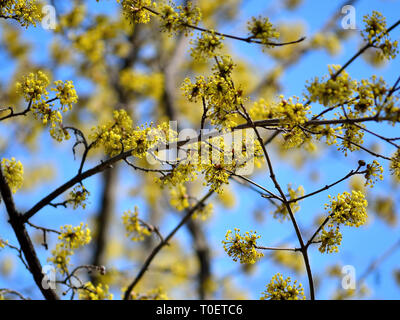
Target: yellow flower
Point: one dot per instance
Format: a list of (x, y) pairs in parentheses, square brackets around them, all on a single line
[(98, 292), (242, 247), (78, 196), (283, 289), (349, 209), (26, 12), (262, 29), (395, 164), (13, 172), (74, 237), (179, 198), (134, 228), (206, 46)]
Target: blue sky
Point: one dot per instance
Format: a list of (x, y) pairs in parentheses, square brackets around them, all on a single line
[(359, 246)]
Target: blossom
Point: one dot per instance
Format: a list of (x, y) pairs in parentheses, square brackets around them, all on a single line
[(242, 247), (283, 289), (395, 164), (333, 91), (65, 93), (78, 196), (135, 10), (179, 198), (13, 172), (74, 237), (330, 239), (206, 45), (92, 292), (349, 209), (375, 33), (26, 12), (134, 228), (262, 29)]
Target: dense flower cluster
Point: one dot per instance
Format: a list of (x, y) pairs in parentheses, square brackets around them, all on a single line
[(207, 45), (34, 90), (283, 289), (119, 134), (134, 10), (346, 209), (134, 228), (33, 87), (92, 292), (174, 19), (222, 98), (26, 12), (395, 164), (330, 239), (70, 238), (242, 247), (375, 33), (335, 90), (183, 172), (349, 209), (262, 29), (66, 93), (13, 172)]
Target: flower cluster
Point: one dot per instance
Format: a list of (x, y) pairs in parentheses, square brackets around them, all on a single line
[(92, 292), (375, 33), (330, 240), (347, 209), (283, 289), (135, 10), (13, 172), (262, 29), (78, 196), (222, 98), (216, 175), (395, 164), (74, 237), (34, 90), (373, 172), (70, 238), (119, 134), (33, 87), (335, 90), (183, 172), (134, 228), (175, 19), (66, 94), (26, 12), (206, 45), (242, 247)]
